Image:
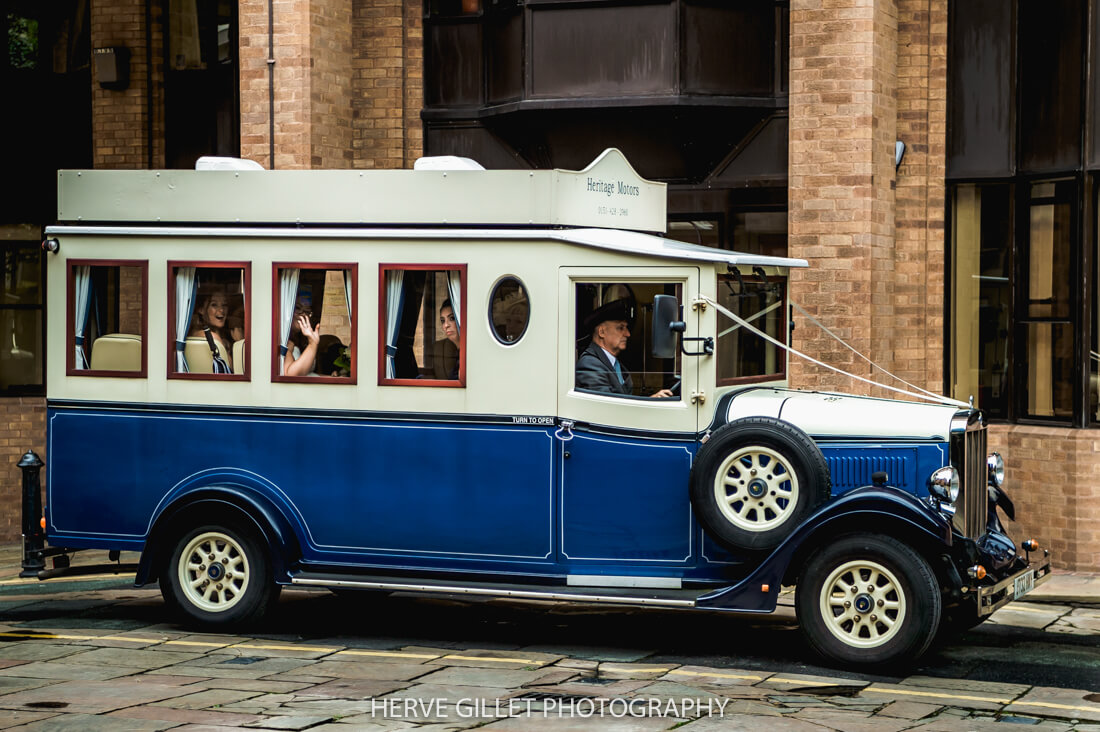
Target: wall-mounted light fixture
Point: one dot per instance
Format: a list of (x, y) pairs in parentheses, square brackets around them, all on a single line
[(112, 67), (52, 246), (899, 153)]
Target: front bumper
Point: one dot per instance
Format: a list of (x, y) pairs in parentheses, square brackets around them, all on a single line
[(993, 597)]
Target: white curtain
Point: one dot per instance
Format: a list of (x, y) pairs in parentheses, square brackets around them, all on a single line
[(454, 290), (347, 295), (288, 296), (186, 281), (395, 301), (82, 294)]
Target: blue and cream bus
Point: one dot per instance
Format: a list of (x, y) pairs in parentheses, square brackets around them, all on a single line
[(372, 380)]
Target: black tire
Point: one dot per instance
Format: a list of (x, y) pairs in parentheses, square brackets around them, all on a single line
[(239, 588), (893, 615), (741, 519)]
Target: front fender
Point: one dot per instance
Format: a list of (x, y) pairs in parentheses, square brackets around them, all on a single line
[(225, 497), (869, 510)]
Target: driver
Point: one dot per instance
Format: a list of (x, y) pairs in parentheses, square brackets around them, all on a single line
[(598, 368)]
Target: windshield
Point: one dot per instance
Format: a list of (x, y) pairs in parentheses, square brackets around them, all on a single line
[(743, 356)]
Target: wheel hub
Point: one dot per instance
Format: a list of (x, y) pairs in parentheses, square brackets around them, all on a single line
[(215, 572), (757, 488), (863, 603)]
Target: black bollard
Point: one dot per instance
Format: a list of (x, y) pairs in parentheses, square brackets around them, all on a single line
[(34, 538)]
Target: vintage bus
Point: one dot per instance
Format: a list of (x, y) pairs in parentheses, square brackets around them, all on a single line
[(497, 383)]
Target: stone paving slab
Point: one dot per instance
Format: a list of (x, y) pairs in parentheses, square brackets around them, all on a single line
[(92, 723), (70, 671), (1080, 621), (185, 716), (480, 676), (621, 687), (578, 724), (640, 670), (147, 660), (992, 688), (716, 676), (11, 719), (353, 689), (909, 710), (378, 671), (291, 722), (205, 698), (263, 685), (593, 653), (93, 697), (492, 658), (37, 650), (964, 699), (851, 721), (745, 722), (1065, 703), (232, 667)]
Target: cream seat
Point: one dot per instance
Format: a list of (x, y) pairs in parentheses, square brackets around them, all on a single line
[(197, 353), (116, 352), (238, 356)]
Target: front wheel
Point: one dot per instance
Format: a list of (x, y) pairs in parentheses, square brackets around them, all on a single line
[(868, 599), (219, 576)]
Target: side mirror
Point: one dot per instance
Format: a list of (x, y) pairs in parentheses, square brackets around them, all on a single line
[(666, 311)]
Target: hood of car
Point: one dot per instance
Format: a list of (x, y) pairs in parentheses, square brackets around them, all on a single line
[(843, 416)]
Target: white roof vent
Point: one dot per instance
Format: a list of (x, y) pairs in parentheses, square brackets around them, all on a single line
[(213, 162), (447, 162)]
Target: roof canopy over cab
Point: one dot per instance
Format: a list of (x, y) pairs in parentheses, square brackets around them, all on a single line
[(606, 194)]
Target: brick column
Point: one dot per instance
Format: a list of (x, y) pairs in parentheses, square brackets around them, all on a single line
[(313, 88), (841, 211), (919, 287), (120, 117)]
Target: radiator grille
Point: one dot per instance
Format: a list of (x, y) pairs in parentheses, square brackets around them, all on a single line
[(971, 510)]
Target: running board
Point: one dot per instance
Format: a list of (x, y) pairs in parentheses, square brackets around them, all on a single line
[(603, 595)]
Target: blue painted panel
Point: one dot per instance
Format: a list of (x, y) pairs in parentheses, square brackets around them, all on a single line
[(851, 465), (468, 490), (626, 499)]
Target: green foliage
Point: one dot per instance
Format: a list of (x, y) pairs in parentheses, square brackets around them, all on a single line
[(22, 42)]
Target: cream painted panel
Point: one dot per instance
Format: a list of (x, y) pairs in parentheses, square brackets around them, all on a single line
[(518, 380), (656, 414)]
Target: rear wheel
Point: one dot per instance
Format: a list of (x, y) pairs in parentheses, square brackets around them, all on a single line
[(219, 575), (868, 599)]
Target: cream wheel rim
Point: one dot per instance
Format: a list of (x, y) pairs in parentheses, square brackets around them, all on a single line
[(863, 604), (213, 572), (756, 489)]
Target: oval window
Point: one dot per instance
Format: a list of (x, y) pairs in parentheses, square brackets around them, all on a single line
[(509, 310)]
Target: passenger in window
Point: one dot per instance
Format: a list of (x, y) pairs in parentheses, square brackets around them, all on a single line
[(301, 357), (445, 350), (235, 321), (332, 357), (599, 368), (212, 318)]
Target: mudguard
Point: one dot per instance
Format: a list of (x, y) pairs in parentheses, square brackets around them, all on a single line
[(869, 509), (216, 500)]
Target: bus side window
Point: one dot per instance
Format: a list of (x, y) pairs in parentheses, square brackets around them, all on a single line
[(208, 320), (315, 323), (106, 334), (422, 339)]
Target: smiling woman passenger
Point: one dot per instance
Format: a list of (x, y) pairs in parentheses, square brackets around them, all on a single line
[(213, 313)]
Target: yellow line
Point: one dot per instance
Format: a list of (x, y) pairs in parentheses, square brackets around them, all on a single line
[(1051, 705), (781, 680), (309, 649), (747, 677), (940, 695), (494, 659), (1019, 609), (48, 636), (196, 643), (633, 669), (389, 654), (128, 639)]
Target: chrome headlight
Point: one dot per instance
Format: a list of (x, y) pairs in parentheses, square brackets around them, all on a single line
[(996, 465), (944, 484)]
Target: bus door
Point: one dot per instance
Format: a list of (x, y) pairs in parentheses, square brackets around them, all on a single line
[(625, 450)]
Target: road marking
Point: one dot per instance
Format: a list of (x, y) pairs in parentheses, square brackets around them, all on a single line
[(937, 694), (387, 654), (245, 645), (747, 677), (494, 659), (800, 682), (620, 668), (202, 644), (48, 636), (1051, 705)]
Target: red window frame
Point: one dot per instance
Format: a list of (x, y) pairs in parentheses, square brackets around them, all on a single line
[(460, 383), (351, 267), (70, 318), (170, 292), (779, 375)]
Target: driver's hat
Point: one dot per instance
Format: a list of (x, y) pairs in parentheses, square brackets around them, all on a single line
[(622, 309)]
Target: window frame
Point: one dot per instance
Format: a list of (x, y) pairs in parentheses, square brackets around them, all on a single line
[(39, 389), (464, 324), (276, 377), (492, 297), (70, 322), (780, 375), (169, 292)]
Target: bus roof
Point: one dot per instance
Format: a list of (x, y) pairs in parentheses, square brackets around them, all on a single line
[(608, 193)]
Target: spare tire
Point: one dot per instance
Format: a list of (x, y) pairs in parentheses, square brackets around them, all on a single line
[(755, 480)]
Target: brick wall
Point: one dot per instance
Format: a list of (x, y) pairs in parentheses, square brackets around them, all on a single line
[(25, 418), (120, 117), (1053, 477), (841, 198), (330, 89)]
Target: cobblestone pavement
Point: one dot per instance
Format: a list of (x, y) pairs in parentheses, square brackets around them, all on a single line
[(95, 653)]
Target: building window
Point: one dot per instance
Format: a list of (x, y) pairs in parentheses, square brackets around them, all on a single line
[(422, 333), (314, 339), (22, 340)]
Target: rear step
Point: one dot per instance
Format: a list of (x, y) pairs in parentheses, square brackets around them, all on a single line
[(606, 595)]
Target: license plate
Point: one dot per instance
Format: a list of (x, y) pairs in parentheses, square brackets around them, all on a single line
[(1023, 584)]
